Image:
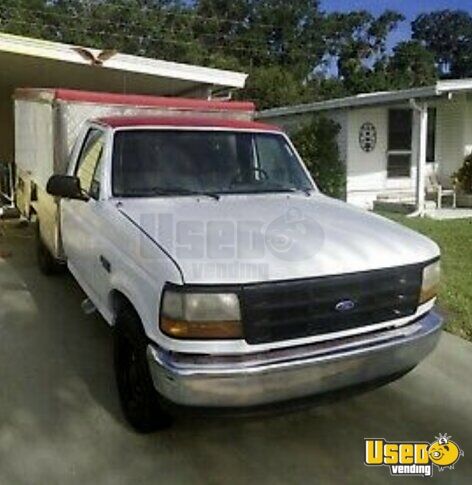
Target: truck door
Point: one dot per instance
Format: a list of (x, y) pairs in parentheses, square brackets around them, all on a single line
[(79, 218)]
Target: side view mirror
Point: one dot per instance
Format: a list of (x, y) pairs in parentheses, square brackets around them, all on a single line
[(66, 186)]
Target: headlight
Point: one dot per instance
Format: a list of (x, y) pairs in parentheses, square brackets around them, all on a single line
[(430, 285), (200, 315)]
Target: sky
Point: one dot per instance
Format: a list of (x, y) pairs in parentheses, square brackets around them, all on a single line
[(410, 8)]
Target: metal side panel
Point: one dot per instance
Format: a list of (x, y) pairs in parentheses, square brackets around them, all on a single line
[(22, 190), (47, 209), (34, 140)]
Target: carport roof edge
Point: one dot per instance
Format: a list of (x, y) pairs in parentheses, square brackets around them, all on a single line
[(120, 62)]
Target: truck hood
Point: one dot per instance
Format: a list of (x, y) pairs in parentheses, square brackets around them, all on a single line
[(251, 238)]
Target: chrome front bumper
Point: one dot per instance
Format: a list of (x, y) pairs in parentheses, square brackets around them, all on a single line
[(292, 373)]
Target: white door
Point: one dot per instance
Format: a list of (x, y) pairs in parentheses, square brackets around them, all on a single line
[(79, 218)]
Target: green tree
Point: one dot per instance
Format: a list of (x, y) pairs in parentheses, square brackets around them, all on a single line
[(358, 41), (410, 65), (317, 144), (448, 35), (265, 33), (326, 87), (274, 86)]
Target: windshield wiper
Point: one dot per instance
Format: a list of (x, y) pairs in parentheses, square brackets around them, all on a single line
[(268, 190), (280, 188), (306, 190), (181, 191)]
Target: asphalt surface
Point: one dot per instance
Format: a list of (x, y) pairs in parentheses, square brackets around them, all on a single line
[(60, 421)]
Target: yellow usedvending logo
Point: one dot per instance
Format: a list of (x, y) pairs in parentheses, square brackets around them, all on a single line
[(413, 457)]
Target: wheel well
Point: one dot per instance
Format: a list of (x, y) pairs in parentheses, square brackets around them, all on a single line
[(119, 302)]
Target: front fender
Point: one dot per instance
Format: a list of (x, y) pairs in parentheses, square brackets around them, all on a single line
[(143, 288)]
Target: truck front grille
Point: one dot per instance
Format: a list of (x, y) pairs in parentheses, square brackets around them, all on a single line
[(301, 308)]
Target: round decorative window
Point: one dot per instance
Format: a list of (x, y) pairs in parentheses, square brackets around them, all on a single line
[(368, 137)]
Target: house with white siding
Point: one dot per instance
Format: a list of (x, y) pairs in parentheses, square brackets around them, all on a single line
[(397, 146)]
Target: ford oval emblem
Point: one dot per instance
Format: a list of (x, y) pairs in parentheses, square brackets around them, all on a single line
[(344, 306)]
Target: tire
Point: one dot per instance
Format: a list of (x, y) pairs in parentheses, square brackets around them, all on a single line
[(139, 399), (47, 264)]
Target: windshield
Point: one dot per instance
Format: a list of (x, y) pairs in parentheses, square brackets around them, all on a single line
[(185, 162)]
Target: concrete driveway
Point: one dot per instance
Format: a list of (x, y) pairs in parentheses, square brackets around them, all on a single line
[(60, 420)]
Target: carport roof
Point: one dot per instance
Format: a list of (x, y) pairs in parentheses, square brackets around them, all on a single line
[(38, 63), (441, 88)]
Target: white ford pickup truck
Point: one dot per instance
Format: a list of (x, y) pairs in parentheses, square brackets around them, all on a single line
[(229, 279)]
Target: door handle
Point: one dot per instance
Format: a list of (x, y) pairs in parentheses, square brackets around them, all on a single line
[(105, 263)]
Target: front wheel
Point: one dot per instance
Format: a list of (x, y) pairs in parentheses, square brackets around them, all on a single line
[(139, 400)]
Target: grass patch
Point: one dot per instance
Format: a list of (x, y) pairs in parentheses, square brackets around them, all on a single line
[(455, 240)]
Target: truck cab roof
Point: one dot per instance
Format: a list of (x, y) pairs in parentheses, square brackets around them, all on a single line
[(183, 122)]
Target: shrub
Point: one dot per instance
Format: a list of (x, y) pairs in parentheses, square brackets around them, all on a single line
[(464, 175), (317, 144)]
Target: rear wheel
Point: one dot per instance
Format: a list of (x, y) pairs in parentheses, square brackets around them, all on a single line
[(138, 397), (47, 264)]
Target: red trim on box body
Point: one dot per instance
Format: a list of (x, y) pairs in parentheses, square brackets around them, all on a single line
[(184, 121), (139, 100)]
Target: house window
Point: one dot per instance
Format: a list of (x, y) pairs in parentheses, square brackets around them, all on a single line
[(431, 141), (399, 143)]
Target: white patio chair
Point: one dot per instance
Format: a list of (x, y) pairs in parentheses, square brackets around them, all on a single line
[(435, 189)]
